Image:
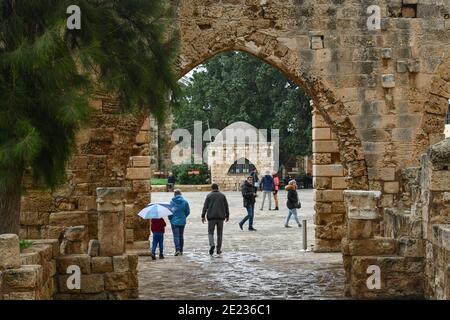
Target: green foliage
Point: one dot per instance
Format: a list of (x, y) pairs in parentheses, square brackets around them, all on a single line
[(182, 176), (235, 86), (48, 73), (25, 244)]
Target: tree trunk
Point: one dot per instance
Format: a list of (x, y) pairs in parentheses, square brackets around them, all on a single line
[(10, 208)]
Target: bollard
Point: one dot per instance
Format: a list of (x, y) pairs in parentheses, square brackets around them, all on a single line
[(305, 237)]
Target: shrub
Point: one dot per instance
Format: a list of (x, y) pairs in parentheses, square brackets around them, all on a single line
[(182, 176)]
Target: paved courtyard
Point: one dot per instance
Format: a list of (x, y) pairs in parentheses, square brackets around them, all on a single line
[(267, 264)]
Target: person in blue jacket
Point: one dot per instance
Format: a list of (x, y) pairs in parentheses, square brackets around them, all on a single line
[(267, 186), (181, 210)]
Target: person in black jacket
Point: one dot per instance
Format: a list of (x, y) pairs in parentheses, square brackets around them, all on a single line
[(255, 179), (248, 195), (216, 210), (292, 203), (170, 183)]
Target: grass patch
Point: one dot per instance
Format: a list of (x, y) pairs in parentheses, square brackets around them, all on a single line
[(25, 244), (158, 182)]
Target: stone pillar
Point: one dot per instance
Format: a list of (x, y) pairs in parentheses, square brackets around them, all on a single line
[(9, 251), (111, 220), (329, 182)]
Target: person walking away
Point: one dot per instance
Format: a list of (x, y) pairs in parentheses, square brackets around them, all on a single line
[(181, 211), (216, 210), (170, 182), (276, 183), (157, 228), (267, 187), (292, 203), (248, 195), (254, 175)]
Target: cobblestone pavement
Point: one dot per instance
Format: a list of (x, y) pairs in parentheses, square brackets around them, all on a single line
[(267, 264)]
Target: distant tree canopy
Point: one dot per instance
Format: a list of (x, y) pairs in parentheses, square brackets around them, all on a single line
[(235, 86)]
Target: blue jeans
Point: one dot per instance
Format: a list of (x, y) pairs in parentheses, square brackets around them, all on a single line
[(249, 217), (292, 212), (158, 239), (178, 237)]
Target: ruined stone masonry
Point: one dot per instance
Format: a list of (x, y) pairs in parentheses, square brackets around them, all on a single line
[(412, 247), (382, 93)]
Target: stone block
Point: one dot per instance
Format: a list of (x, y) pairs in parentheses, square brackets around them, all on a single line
[(141, 161), (34, 218), (332, 232), (338, 183), (359, 229), (87, 203), (413, 65), (25, 277), (111, 233), (117, 281), (327, 245), (331, 170), (83, 261), (129, 234), (93, 248), (386, 53), (54, 243), (9, 251), (440, 180), (69, 218), (22, 295), (321, 134), (411, 247), (321, 158), (92, 283), (75, 233), (362, 204), (121, 263), (143, 137), (391, 187), (317, 42), (387, 264), (369, 247), (327, 146), (318, 121), (328, 195), (102, 264), (388, 81), (402, 66)]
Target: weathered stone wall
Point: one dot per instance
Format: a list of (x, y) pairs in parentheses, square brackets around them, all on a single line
[(103, 154), (413, 250), (30, 274), (329, 182)]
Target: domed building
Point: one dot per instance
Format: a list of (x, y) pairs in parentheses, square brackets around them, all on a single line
[(237, 150)]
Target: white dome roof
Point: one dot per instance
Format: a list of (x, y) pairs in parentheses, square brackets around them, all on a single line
[(237, 132)]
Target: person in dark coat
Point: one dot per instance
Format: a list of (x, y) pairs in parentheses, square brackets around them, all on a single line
[(216, 210), (248, 195), (254, 175), (292, 203), (170, 182), (267, 187)]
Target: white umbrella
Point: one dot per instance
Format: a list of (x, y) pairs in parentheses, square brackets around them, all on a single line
[(156, 211)]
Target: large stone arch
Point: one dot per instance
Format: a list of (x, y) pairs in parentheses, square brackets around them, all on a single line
[(276, 53)]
